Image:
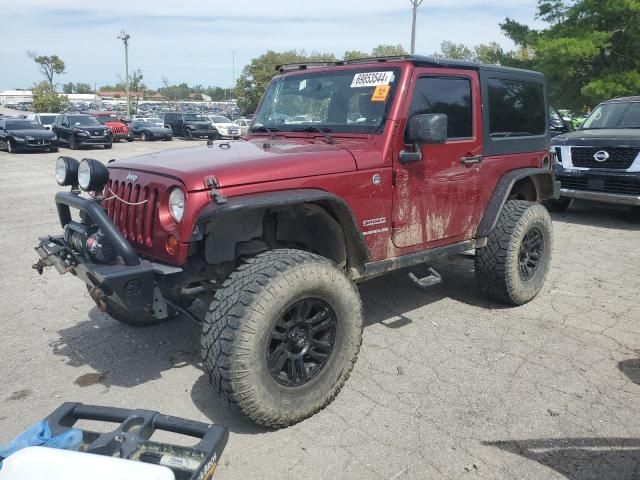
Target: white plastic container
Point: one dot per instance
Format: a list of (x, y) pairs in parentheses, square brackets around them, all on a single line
[(38, 463)]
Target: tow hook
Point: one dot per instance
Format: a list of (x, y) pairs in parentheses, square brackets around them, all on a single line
[(97, 296), (39, 266)]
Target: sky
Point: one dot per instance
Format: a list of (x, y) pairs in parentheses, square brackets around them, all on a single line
[(193, 41)]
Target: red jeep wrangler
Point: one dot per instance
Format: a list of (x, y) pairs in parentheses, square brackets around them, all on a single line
[(396, 162), (112, 120)]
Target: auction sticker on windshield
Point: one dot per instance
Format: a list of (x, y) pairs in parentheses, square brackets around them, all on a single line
[(371, 79), (380, 93)]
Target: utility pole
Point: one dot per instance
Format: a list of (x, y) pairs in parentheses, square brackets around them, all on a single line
[(124, 36), (416, 4)]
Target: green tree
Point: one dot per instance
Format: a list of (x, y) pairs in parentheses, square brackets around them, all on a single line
[(388, 51), (50, 65), (589, 51), (255, 76), (454, 51), (354, 55), (68, 88), (45, 99), (83, 88)]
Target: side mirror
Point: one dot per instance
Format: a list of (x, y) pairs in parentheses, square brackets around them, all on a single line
[(424, 129)]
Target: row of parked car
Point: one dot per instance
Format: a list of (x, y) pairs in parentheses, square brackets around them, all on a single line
[(48, 131)]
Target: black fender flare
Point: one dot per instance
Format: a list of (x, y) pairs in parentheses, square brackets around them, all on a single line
[(246, 205), (543, 179)]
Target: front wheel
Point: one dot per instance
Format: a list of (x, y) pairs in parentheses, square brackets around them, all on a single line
[(11, 148), (188, 134), (144, 137), (282, 335), (513, 266)]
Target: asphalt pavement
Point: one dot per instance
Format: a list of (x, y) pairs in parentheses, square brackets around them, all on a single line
[(447, 385)]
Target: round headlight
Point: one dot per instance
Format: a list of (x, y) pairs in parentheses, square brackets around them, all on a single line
[(92, 175), (66, 171), (176, 204)]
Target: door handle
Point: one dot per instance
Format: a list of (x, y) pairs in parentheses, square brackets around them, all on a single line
[(471, 160)]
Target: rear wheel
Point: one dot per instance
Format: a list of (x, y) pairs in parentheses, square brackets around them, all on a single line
[(188, 134), (513, 266), (557, 205), (282, 335)]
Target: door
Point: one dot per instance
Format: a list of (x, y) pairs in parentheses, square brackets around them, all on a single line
[(60, 129), (436, 198)]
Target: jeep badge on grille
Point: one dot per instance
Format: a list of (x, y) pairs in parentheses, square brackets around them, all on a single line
[(131, 177)]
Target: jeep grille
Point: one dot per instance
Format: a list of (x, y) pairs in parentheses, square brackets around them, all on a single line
[(620, 158), (135, 222)]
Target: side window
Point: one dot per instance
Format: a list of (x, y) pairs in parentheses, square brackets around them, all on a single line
[(632, 117), (448, 95), (516, 108)]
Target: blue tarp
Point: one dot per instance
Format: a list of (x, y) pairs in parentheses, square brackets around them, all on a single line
[(39, 435)]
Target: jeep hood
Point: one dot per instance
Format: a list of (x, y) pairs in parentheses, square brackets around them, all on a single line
[(244, 162), (619, 137)]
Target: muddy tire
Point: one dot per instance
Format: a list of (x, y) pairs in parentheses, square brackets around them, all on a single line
[(558, 205), (513, 266), (282, 335)]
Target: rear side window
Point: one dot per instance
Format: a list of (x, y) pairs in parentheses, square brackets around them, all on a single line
[(448, 95), (516, 108)]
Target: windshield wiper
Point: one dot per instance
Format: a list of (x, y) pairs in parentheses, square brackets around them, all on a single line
[(324, 131), (261, 128)]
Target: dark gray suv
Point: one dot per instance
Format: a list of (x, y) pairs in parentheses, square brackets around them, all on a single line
[(189, 125), (601, 160)]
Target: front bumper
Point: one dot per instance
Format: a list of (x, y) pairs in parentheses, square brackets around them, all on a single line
[(35, 145), (95, 140), (130, 282), (607, 186)]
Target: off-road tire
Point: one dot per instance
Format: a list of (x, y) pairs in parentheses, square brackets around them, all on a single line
[(188, 134), (558, 205), (237, 328), (497, 264)]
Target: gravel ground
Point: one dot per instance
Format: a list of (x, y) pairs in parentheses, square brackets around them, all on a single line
[(448, 385)]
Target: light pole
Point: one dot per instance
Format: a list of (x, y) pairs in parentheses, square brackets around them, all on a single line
[(416, 4), (124, 36)]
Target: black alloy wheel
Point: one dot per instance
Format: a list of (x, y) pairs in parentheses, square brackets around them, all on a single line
[(531, 251), (301, 342)]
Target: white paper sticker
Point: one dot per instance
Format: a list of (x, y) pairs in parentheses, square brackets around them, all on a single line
[(371, 79), (303, 85)]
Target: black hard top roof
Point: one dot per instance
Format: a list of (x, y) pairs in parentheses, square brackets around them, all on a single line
[(418, 60)]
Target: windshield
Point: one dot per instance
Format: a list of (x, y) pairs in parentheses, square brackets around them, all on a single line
[(349, 101), (614, 115), (47, 119), (220, 120), (106, 118), (154, 120), (193, 117), (24, 125), (145, 124), (83, 120)]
